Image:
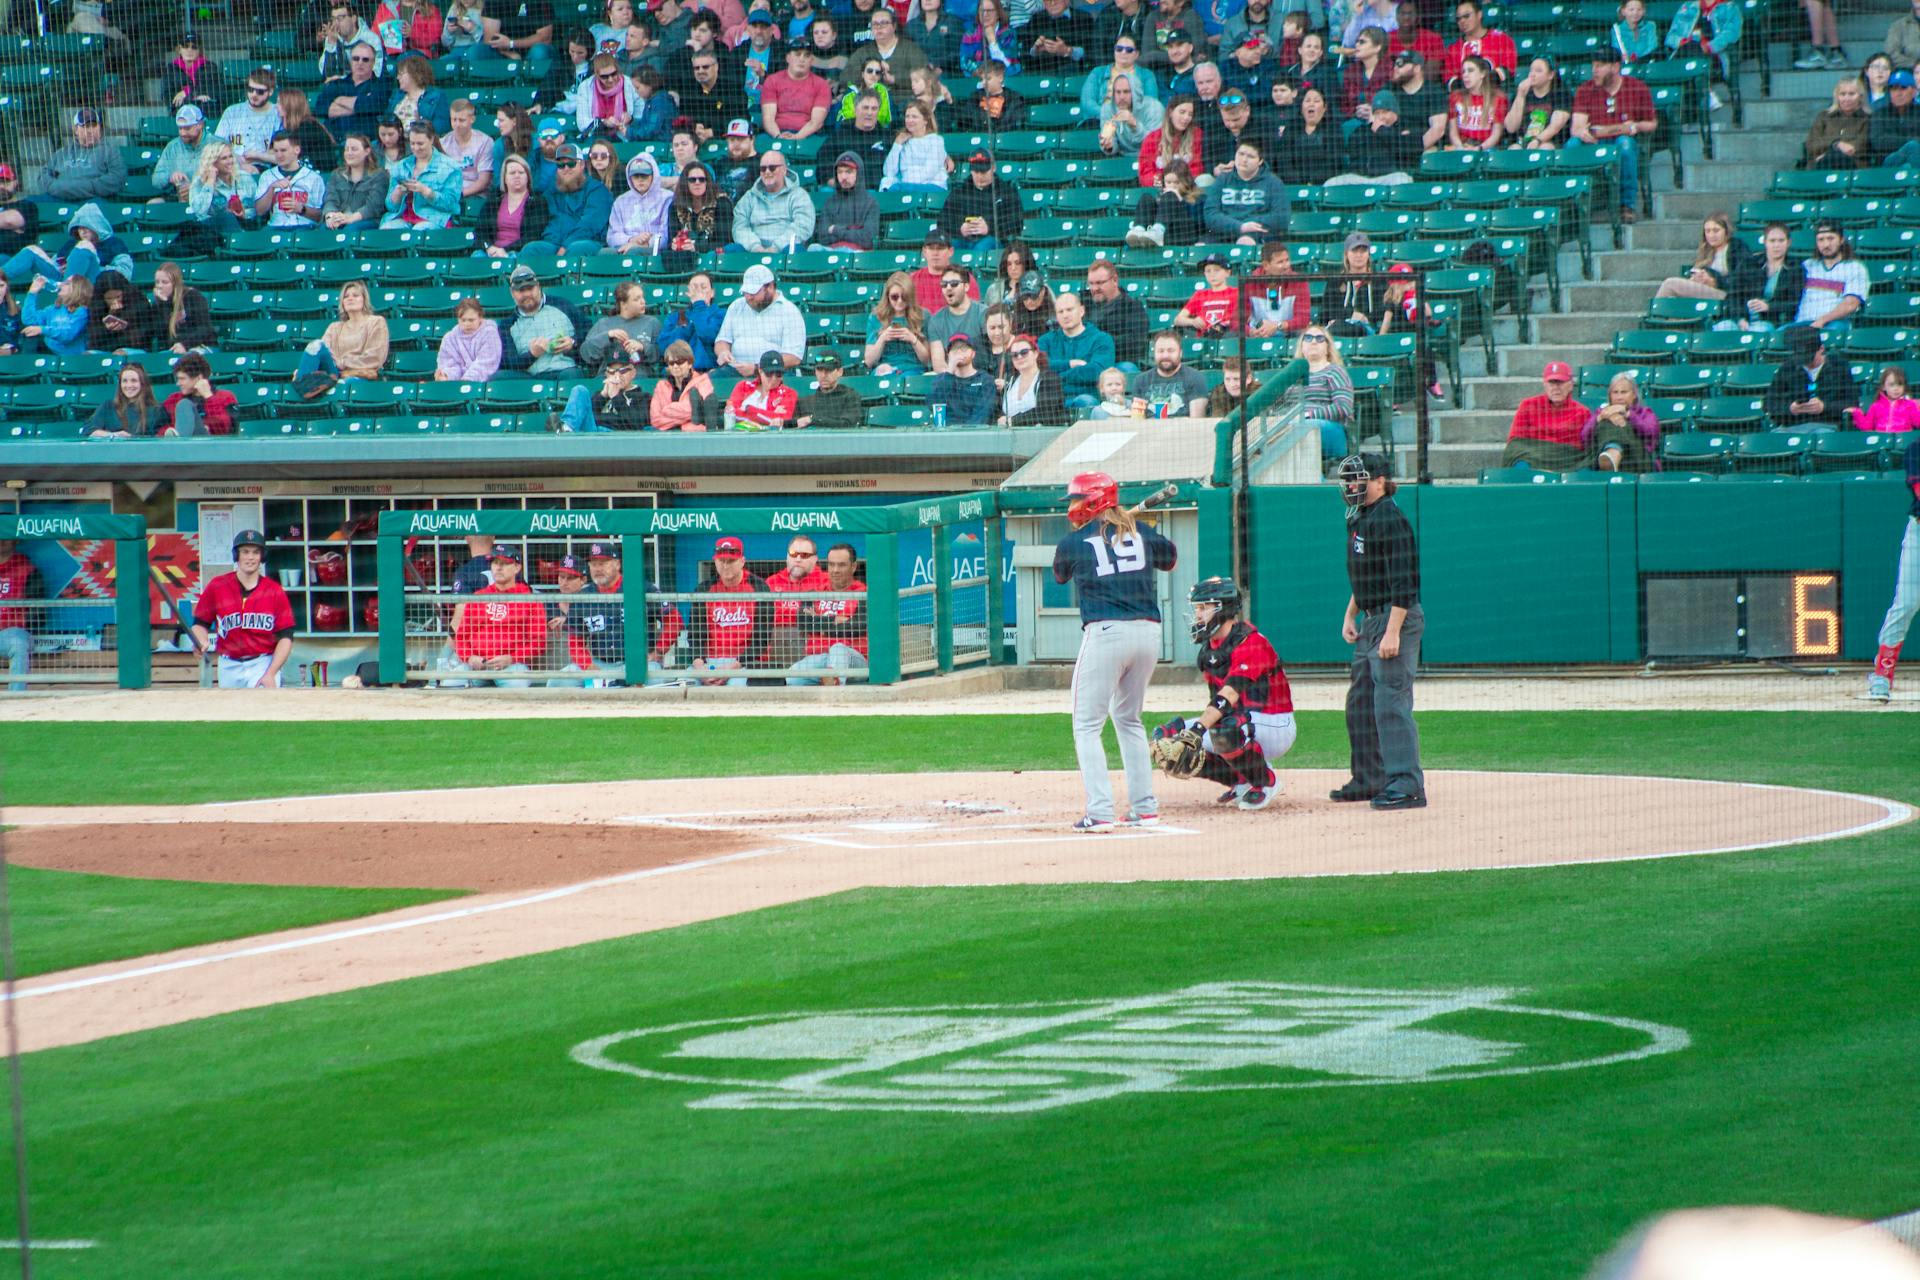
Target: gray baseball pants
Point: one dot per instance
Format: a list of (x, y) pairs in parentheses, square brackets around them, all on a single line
[(1383, 741), (1110, 682)]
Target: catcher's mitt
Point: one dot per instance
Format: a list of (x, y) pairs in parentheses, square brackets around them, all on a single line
[(1180, 755)]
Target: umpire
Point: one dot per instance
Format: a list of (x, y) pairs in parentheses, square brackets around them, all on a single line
[(1384, 623)]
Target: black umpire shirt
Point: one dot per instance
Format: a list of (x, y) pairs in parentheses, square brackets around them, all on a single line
[(1383, 564)]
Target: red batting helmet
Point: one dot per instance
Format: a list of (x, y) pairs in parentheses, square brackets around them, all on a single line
[(1088, 494), (372, 613), (330, 617), (329, 568)]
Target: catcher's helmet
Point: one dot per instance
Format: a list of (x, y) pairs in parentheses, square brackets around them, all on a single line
[(1224, 592), (1088, 494), (1355, 470), (249, 538)]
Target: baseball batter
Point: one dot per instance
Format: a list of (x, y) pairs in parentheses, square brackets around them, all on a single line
[(1906, 591), (1110, 559), (1248, 723), (246, 619)]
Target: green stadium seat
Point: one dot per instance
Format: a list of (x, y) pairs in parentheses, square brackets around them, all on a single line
[(1725, 346), (1688, 314), (1487, 193), (1085, 202), (1518, 164), (1698, 450), (45, 402), (480, 424), (1780, 452), (1755, 214), (253, 429), (1731, 413), (1809, 184), (1418, 195), (35, 431), (1685, 380), (1450, 166), (893, 416), (1890, 309), (520, 395), (1678, 477), (1746, 380), (1892, 184), (1517, 475), (1595, 476), (1872, 244), (1648, 346), (1853, 450), (1353, 197)]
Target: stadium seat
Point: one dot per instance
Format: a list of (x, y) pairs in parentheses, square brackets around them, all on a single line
[(1698, 451), (1784, 452), (1517, 475), (1731, 413), (1595, 476), (1835, 451)]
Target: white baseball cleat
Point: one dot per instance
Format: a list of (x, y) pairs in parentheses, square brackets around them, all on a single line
[(1256, 798), (1141, 820), (1879, 688), (1231, 795), (1093, 826)]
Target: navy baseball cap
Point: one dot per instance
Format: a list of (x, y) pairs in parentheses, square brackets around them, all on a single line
[(504, 551), (573, 565), (603, 551)]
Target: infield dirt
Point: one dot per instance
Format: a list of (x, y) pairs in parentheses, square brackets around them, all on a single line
[(624, 858)]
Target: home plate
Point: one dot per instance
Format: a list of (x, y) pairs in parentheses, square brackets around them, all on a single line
[(978, 806)]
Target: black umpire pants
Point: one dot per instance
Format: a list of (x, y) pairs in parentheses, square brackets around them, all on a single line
[(1383, 741)]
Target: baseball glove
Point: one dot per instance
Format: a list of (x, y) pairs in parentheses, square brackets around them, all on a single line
[(1181, 755)]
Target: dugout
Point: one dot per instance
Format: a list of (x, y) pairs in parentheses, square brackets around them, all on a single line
[(1141, 454)]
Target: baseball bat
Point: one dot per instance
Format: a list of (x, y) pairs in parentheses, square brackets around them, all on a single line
[(1154, 499)]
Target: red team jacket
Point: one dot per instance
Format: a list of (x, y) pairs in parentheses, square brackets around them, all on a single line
[(495, 630), (830, 622), (244, 624), (1245, 659), (787, 614), (736, 628), (19, 580), (772, 410), (1215, 308)]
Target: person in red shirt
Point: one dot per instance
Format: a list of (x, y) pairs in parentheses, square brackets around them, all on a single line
[(1477, 39), (936, 256), (802, 572), (835, 631), (1248, 723), (1477, 110), (793, 103), (729, 633), (1215, 310), (246, 619), (767, 401), (1549, 430), (196, 409), (500, 635), (1611, 109), (19, 580)]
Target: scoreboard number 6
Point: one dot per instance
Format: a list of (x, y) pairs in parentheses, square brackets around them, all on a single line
[(1816, 625)]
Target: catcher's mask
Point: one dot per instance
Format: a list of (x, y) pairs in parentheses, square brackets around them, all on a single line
[(1214, 600), (1355, 470), (1088, 494)]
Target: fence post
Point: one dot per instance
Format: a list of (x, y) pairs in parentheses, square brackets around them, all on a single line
[(629, 633), (390, 578), (132, 620), (992, 536), (883, 608), (942, 600)]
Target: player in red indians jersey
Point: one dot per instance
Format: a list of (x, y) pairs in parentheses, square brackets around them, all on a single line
[(1248, 724), (19, 580), (246, 619), (731, 633)]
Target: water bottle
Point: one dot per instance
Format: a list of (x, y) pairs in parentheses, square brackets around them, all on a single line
[(940, 417)]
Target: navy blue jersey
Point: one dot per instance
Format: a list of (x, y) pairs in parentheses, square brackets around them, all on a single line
[(1113, 572)]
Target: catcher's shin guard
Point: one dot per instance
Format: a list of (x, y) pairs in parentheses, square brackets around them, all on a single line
[(1253, 766)]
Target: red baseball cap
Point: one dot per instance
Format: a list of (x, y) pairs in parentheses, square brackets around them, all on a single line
[(1557, 371), (728, 549)]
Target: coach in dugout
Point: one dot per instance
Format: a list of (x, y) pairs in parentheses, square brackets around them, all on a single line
[(834, 631), (730, 632), (246, 619), (597, 630)]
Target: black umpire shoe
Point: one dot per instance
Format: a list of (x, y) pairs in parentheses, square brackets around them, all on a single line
[(1400, 800), (1352, 791)]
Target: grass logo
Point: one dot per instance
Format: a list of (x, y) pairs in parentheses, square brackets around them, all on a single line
[(1204, 1039)]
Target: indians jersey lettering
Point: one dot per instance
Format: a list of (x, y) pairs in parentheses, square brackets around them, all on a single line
[(244, 623)]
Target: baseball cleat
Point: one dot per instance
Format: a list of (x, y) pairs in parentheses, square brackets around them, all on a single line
[(1879, 689), (1256, 798), (1400, 800), (1141, 820), (1232, 794), (1093, 826)]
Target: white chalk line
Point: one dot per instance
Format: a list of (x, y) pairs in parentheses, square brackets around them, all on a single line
[(38, 1245), (391, 926)]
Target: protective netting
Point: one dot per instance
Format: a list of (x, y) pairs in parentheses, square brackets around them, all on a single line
[(59, 612)]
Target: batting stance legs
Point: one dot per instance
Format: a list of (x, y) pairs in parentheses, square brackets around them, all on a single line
[(1385, 742), (1110, 682), (1906, 601)]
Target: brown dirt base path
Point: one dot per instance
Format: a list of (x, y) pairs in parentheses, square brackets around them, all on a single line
[(594, 861)]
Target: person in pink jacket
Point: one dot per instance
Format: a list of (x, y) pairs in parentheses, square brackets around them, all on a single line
[(1895, 410)]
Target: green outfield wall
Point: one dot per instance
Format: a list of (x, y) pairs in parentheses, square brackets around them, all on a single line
[(1554, 573)]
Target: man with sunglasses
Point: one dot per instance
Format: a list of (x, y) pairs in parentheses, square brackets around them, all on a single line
[(354, 103), (775, 215), (936, 258), (961, 314), (248, 126), (711, 99), (578, 210)]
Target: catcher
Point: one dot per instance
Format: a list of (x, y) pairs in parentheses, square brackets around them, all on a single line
[(1249, 720)]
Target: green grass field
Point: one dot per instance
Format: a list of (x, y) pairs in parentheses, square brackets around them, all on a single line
[(438, 1127)]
